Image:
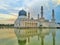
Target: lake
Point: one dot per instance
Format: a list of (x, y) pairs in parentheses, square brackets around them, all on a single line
[(46, 37)]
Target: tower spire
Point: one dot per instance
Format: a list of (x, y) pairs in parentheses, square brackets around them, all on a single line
[(41, 11), (53, 15), (38, 16), (28, 15)]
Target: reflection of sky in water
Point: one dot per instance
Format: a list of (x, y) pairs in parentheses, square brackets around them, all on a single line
[(8, 37)]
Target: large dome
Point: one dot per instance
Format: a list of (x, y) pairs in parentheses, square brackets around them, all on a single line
[(22, 13)]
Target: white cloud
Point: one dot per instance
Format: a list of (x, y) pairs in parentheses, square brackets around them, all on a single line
[(4, 6), (1, 7), (7, 16), (57, 2)]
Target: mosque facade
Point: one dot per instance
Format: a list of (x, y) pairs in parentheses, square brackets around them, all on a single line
[(24, 20)]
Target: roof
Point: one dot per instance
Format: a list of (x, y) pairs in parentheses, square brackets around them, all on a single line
[(22, 13)]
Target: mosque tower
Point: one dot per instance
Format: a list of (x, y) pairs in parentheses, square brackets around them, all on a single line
[(38, 17), (53, 16), (41, 11), (28, 15)]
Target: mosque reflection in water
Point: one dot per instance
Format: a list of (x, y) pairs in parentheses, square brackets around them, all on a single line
[(25, 36)]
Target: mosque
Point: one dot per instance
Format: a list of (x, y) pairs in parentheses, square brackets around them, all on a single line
[(24, 20)]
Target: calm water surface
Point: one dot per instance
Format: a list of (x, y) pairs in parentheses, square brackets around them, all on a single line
[(8, 37)]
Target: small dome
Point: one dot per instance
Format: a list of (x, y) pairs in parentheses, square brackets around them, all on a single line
[(22, 13)]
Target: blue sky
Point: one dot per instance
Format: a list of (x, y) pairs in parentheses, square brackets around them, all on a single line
[(9, 9)]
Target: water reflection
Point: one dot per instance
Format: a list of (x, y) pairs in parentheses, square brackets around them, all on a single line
[(22, 42), (40, 33), (54, 36), (30, 36)]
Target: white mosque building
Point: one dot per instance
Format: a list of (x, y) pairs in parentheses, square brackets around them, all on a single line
[(24, 20)]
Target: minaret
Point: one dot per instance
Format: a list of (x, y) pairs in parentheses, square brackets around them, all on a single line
[(28, 15), (53, 16), (38, 16), (41, 11)]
